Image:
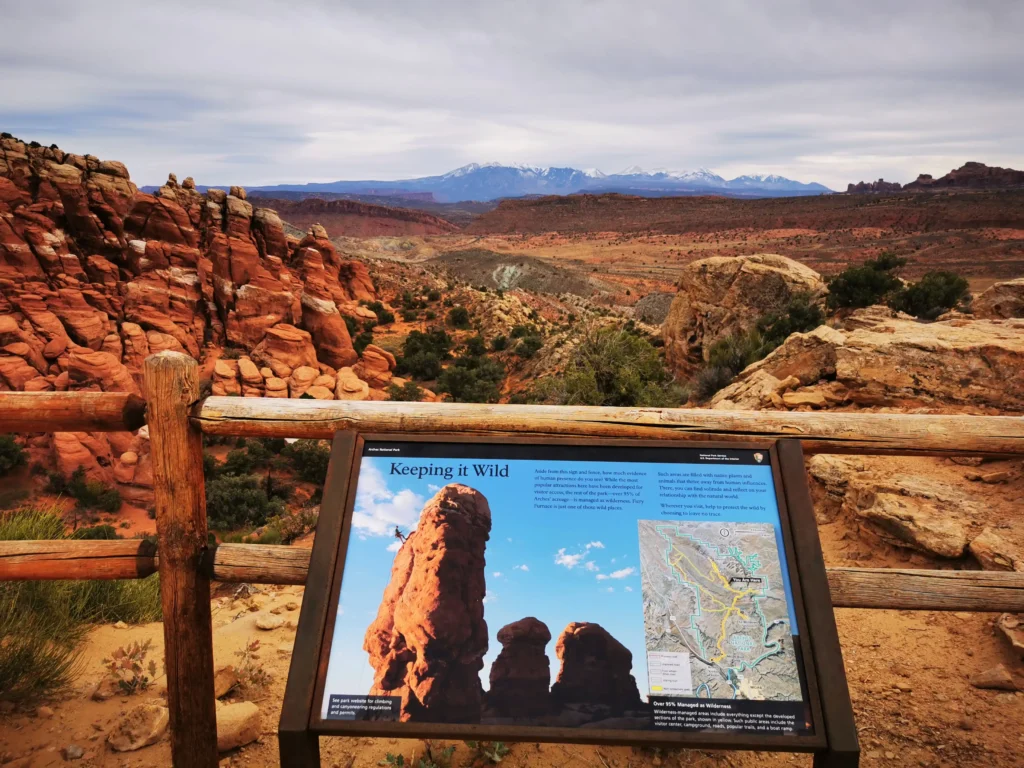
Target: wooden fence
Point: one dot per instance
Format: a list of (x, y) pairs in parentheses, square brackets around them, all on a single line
[(177, 419)]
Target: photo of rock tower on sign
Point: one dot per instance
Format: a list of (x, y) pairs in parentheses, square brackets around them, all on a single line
[(429, 638)]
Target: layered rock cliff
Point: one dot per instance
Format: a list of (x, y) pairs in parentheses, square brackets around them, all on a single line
[(96, 275)]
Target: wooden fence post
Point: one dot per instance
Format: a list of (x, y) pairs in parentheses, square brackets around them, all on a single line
[(172, 382)]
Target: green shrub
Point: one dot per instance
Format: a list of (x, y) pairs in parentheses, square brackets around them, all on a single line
[(361, 341), (238, 462), (870, 283), (43, 623), (90, 494), (730, 355), (458, 317), (100, 532), (410, 315), (800, 315), (472, 379), (499, 343), (384, 316), (352, 324), (475, 346), (408, 392), (422, 354), (433, 296), (430, 315), (519, 331), (237, 501), (310, 459), (933, 294), (529, 346), (611, 366), (232, 353), (12, 455), (710, 380)]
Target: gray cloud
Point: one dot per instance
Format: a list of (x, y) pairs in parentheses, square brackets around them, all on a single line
[(268, 92)]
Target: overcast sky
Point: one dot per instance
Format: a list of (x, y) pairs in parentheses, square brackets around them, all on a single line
[(266, 92)]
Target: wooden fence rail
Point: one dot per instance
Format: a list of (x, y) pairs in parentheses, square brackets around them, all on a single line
[(877, 588), (177, 419), (825, 432)]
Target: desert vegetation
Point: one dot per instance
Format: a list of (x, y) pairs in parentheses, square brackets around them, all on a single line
[(44, 623)]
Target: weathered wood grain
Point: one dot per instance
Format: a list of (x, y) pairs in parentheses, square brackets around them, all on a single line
[(71, 411), (825, 432), (47, 560), (172, 381), (261, 564), (982, 591)]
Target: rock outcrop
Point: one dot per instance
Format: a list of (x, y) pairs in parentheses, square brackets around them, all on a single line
[(898, 363), (429, 638), (521, 674), (970, 175), (910, 512), (1001, 301), (596, 669), (876, 187), (724, 295), (96, 275)]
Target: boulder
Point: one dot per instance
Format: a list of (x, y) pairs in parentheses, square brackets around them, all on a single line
[(285, 346), (904, 511), (98, 370), (237, 725), (302, 379), (725, 295), (1001, 550), (350, 386), (521, 674), (1011, 626), (427, 643), (225, 679), (141, 726), (595, 669), (997, 678), (375, 367), (1002, 300), (917, 523), (897, 363), (328, 329)]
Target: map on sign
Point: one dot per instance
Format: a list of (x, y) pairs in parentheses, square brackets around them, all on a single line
[(716, 617)]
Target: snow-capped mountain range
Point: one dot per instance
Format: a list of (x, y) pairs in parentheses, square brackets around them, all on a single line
[(490, 181)]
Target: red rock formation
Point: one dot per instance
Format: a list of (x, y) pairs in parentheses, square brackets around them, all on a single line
[(429, 638), (866, 187), (95, 276), (970, 176), (521, 674), (596, 669)]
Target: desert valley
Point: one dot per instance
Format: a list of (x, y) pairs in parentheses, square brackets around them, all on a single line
[(881, 299)]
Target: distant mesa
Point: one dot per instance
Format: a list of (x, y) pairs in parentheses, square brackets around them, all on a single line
[(869, 187), (970, 176), (428, 641)]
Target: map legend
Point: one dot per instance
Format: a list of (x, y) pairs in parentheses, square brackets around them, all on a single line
[(669, 673)]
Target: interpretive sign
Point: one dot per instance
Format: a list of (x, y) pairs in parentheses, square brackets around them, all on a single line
[(596, 591)]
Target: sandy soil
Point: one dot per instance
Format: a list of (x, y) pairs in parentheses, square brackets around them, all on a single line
[(908, 672)]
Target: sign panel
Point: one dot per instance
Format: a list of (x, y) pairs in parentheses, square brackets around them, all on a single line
[(536, 589)]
